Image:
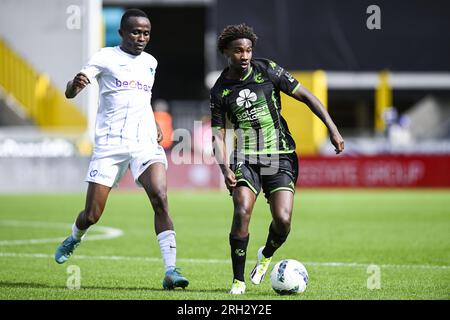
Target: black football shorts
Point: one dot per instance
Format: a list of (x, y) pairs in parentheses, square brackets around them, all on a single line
[(271, 173)]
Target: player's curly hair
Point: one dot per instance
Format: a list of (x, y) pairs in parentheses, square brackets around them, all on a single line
[(233, 32)]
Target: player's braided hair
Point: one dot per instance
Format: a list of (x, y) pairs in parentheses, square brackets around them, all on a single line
[(233, 32), (131, 13)]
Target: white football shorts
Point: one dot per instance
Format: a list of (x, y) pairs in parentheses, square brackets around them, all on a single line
[(109, 163)]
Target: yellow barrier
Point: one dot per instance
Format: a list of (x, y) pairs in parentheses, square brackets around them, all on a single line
[(306, 128), (383, 100), (45, 104)]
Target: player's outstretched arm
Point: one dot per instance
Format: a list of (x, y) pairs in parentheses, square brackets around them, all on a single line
[(303, 95), (219, 147), (79, 82)]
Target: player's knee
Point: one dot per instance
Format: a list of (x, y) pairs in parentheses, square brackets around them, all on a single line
[(283, 223), (158, 198), (158, 195), (242, 213)]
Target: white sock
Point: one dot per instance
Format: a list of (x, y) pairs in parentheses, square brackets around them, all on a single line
[(168, 248), (77, 233)]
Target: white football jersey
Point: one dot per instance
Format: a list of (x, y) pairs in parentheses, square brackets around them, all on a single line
[(124, 115)]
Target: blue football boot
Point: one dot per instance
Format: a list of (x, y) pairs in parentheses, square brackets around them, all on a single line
[(173, 279), (65, 249)]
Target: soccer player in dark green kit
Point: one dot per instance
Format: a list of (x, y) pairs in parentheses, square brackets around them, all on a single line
[(247, 93)]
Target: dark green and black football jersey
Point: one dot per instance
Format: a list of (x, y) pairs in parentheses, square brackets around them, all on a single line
[(253, 106)]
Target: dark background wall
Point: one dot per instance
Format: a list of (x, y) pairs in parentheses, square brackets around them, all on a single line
[(332, 35), (298, 34), (177, 41)]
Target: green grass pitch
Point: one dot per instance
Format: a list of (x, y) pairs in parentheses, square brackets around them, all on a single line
[(337, 234)]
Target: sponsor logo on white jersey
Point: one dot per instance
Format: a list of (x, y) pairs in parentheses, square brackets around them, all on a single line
[(132, 84)]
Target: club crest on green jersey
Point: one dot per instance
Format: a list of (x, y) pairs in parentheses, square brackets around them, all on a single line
[(258, 78)]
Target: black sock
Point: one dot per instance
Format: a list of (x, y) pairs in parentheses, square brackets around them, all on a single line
[(274, 241), (238, 255)]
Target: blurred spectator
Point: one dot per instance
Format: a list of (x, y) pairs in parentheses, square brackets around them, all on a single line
[(399, 133), (164, 119), (397, 127), (390, 116)]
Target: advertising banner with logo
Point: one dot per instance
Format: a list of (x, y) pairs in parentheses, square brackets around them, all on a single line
[(377, 171), (423, 171)]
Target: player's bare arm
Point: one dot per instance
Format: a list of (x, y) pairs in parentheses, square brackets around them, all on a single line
[(219, 147), (303, 95), (160, 135), (74, 87)]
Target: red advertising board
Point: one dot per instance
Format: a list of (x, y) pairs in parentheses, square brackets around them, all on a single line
[(375, 171), (340, 171)]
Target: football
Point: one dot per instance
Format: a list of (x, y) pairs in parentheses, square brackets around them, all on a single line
[(289, 277)]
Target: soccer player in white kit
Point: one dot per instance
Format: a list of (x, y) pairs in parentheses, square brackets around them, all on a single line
[(126, 135)]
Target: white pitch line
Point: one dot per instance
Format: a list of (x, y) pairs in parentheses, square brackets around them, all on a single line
[(219, 261), (106, 232), (110, 233)]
